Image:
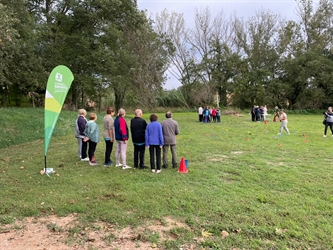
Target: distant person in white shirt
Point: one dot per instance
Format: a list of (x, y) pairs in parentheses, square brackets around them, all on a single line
[(200, 112), (284, 122)]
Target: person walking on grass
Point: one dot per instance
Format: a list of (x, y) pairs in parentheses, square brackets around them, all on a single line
[(170, 129), (121, 134), (154, 142), (80, 125), (284, 122), (328, 120), (108, 135), (138, 130), (91, 133)]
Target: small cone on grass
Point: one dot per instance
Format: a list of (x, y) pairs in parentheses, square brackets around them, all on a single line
[(182, 167)]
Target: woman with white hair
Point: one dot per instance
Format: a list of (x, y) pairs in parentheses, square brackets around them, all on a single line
[(80, 125), (121, 134)]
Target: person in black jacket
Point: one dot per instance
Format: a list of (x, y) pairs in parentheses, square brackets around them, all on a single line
[(328, 120), (138, 129)]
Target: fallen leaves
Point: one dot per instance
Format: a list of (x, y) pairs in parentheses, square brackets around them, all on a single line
[(224, 234), (206, 234)]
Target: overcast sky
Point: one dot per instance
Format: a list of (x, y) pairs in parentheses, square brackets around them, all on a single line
[(242, 8)]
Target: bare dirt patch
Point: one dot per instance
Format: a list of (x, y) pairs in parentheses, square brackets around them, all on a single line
[(55, 233)]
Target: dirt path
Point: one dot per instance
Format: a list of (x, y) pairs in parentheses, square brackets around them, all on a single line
[(65, 233)]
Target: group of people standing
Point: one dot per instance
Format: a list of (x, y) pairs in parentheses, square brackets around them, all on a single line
[(209, 114), (259, 113), (154, 136)]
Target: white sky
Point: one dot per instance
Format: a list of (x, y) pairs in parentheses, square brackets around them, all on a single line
[(241, 8)]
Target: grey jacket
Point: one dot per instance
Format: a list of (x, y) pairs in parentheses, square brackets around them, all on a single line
[(170, 130)]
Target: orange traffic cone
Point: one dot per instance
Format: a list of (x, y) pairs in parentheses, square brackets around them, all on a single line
[(182, 167)]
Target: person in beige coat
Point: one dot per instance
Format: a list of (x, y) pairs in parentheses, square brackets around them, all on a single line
[(108, 135)]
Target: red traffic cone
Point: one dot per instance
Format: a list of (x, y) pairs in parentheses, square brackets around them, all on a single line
[(182, 167)]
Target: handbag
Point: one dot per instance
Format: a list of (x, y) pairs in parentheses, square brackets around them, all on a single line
[(324, 121)]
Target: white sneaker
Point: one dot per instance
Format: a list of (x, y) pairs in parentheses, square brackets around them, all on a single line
[(119, 165), (85, 159), (324, 135), (158, 171), (126, 167), (153, 170), (93, 163)]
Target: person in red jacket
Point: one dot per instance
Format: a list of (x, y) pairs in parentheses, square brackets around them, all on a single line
[(121, 135)]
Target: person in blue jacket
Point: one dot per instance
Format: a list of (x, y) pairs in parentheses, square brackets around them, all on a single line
[(92, 135), (154, 142)]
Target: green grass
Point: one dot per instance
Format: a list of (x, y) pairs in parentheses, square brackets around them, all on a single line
[(267, 191)]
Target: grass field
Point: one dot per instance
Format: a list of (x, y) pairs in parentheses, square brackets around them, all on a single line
[(261, 189)]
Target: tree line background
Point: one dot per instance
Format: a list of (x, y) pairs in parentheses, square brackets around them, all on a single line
[(119, 55)]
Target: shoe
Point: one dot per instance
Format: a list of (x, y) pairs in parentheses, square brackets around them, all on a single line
[(119, 165), (126, 167), (165, 166), (153, 170), (108, 164), (324, 135), (174, 166), (279, 133), (143, 167), (158, 171), (85, 159), (93, 163), (136, 167)]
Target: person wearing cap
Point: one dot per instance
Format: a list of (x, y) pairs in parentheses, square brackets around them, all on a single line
[(284, 122)]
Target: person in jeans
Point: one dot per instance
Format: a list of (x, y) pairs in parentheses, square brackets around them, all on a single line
[(328, 120), (91, 133), (170, 129), (121, 134), (154, 141), (138, 130), (108, 135)]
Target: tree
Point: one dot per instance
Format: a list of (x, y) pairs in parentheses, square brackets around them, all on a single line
[(8, 48)]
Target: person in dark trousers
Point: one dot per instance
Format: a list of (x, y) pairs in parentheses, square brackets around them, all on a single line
[(80, 125), (154, 141), (91, 133), (328, 120), (138, 130), (170, 129), (108, 135), (253, 113)]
